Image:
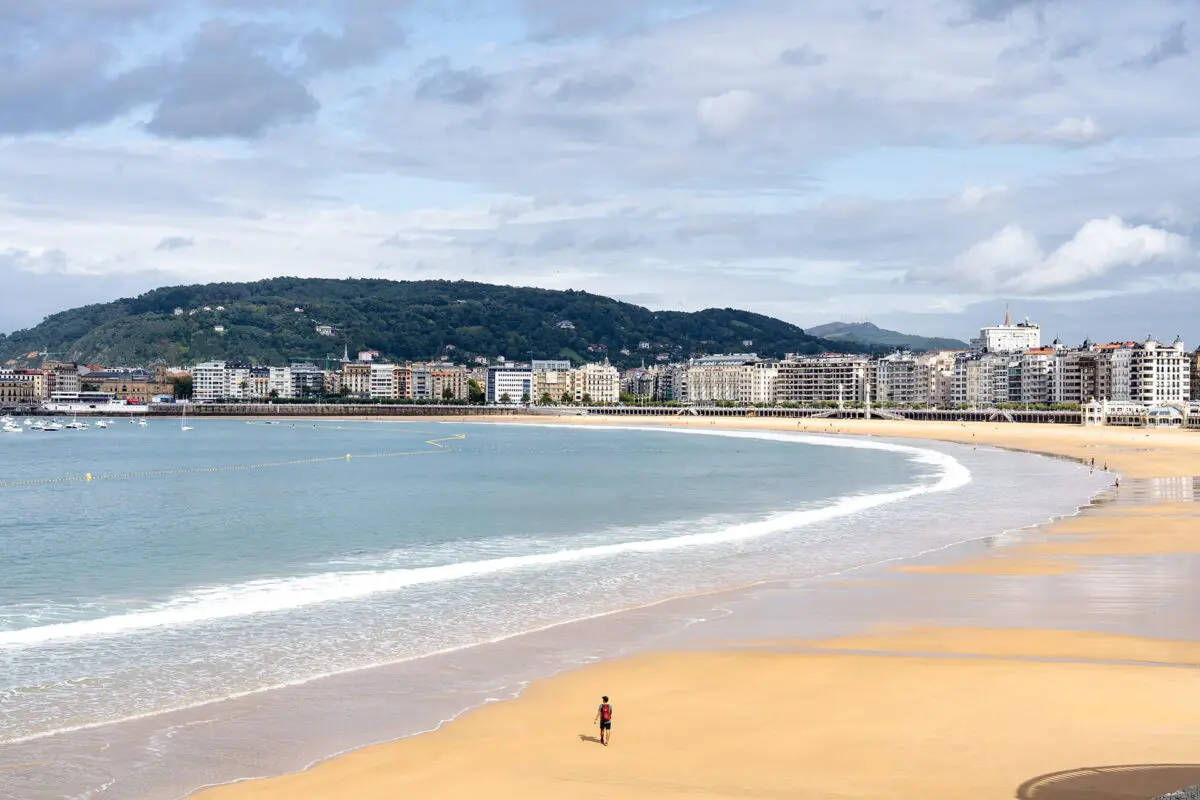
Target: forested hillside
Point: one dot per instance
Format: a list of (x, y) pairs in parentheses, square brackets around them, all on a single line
[(277, 321)]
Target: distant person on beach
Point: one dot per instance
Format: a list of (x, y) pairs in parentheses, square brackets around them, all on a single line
[(604, 717)]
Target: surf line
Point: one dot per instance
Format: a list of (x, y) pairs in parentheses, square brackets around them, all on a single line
[(290, 593)]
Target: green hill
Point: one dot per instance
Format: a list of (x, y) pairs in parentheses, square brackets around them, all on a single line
[(874, 337), (275, 322)]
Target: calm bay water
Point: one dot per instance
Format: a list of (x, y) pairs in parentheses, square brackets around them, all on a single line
[(238, 558)]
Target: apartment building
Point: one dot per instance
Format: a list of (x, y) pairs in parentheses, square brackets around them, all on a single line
[(672, 385), (825, 378), (16, 389), (1115, 371), (431, 382), (1195, 389), (554, 385), (356, 379), (62, 378), (332, 382), (307, 380), (389, 381), (935, 377), (1034, 380), (509, 384), (640, 382), (735, 378), (599, 383), (896, 381), (208, 381), (1160, 373)]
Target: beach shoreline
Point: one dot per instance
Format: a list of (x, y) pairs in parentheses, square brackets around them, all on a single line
[(380, 769)]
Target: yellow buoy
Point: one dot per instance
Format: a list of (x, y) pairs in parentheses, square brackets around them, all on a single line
[(88, 477), (347, 456)]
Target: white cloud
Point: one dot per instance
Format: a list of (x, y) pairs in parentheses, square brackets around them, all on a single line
[(992, 262), (1075, 130), (727, 114), (972, 196), (1012, 259)]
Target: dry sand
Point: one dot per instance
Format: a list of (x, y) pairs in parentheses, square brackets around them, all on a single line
[(922, 712)]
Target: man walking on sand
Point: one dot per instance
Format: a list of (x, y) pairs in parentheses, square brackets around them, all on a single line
[(604, 717)]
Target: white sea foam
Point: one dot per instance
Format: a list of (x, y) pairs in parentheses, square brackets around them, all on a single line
[(286, 594)]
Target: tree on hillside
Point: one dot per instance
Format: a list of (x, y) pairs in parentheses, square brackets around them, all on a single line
[(182, 386), (475, 392)]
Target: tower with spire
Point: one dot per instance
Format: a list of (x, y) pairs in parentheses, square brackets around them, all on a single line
[(1007, 337)]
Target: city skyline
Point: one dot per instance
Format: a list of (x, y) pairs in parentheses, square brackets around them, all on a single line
[(917, 164)]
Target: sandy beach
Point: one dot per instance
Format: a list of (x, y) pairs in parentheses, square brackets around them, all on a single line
[(904, 710)]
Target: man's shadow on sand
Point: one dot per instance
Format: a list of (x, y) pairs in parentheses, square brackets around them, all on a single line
[(1118, 782), (583, 737)]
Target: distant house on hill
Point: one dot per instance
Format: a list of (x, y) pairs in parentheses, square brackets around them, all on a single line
[(325, 330), (566, 325)]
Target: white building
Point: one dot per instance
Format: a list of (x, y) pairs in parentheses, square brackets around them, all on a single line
[(935, 377), (1160, 373), (1008, 338), (740, 378), (600, 383), (509, 384), (550, 365), (209, 381), (279, 383), (825, 378), (1036, 374), (896, 379), (1067, 374), (984, 379), (239, 383), (383, 382)]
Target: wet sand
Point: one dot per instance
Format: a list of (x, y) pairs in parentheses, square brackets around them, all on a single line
[(905, 709)]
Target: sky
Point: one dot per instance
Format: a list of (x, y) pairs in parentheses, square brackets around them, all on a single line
[(921, 164)]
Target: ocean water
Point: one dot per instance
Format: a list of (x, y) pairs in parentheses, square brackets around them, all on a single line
[(204, 583)]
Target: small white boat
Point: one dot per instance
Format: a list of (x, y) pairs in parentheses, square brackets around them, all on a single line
[(29, 423), (141, 423), (102, 424), (11, 428), (53, 426)]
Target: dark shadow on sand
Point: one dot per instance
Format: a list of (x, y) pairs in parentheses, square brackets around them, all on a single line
[(583, 737), (1118, 782)]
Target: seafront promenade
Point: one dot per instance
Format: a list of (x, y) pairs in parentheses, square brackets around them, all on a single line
[(1054, 663), (601, 412)]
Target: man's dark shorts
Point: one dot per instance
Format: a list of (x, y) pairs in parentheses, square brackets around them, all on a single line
[(606, 725)]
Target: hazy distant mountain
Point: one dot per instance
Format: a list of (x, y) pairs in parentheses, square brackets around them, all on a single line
[(864, 333), (308, 319)]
